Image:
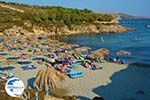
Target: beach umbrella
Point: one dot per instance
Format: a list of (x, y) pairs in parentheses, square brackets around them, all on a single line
[(64, 55), (14, 53), (67, 46), (78, 51), (102, 50), (96, 55), (123, 52), (83, 48), (5, 63), (47, 79), (7, 68), (1, 57)]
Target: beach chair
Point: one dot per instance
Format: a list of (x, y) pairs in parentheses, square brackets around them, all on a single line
[(9, 75), (75, 64), (24, 62), (28, 67), (75, 74)]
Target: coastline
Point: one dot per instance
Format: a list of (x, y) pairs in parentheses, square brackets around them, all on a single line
[(55, 30)]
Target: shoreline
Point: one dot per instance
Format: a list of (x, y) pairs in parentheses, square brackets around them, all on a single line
[(93, 78), (82, 86)]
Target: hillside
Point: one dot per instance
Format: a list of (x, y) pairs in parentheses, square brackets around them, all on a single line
[(46, 17), (123, 15)]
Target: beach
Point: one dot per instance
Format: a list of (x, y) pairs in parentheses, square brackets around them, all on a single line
[(82, 86), (26, 58), (74, 51), (25, 55)]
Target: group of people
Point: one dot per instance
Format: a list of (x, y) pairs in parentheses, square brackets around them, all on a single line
[(116, 60)]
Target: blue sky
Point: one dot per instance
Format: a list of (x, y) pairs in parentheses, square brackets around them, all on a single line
[(132, 7)]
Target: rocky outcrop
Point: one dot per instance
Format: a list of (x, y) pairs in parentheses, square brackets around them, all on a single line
[(64, 30), (77, 29), (16, 30)]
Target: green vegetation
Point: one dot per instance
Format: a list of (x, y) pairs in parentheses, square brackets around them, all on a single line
[(46, 15)]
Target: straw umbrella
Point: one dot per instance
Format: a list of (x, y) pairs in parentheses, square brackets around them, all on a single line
[(47, 79), (1, 57), (64, 55), (78, 51), (103, 51), (100, 53), (96, 55), (123, 52), (83, 48), (5, 63), (66, 46)]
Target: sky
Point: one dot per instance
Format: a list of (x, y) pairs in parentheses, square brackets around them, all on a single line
[(131, 7)]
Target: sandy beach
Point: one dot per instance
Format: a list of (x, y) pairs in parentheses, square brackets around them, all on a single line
[(81, 86), (22, 54)]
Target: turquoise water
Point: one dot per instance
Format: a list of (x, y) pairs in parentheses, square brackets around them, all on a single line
[(121, 41), (132, 83)]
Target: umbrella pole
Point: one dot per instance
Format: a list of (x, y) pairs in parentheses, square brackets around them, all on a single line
[(36, 95)]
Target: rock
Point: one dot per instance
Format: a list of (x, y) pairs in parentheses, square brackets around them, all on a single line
[(98, 98), (64, 30)]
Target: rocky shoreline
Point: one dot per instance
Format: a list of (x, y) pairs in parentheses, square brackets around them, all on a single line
[(78, 29), (55, 30)]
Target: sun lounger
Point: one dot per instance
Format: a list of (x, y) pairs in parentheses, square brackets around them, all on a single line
[(76, 74), (28, 67), (5, 75), (75, 64), (83, 55), (11, 74), (7, 68), (13, 58), (24, 62), (3, 54)]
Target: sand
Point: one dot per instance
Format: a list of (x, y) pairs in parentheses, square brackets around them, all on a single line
[(93, 78), (80, 86), (25, 75)]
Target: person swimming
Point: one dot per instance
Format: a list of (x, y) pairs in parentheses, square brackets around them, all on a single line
[(135, 39), (102, 39)]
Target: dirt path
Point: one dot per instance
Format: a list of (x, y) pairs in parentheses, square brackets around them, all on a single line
[(12, 8)]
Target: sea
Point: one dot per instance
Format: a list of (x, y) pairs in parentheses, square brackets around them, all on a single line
[(132, 83)]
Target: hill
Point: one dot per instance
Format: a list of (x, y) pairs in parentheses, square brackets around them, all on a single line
[(46, 17), (123, 15)]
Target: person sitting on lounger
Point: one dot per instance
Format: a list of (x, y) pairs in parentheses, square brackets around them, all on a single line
[(63, 68), (87, 64)]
